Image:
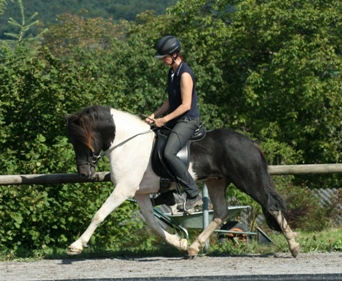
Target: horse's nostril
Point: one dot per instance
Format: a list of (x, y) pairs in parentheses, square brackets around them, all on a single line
[(83, 175), (83, 171)]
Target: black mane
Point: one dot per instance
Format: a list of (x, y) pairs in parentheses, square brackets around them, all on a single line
[(93, 126)]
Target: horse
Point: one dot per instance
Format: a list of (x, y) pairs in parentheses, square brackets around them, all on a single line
[(222, 157)]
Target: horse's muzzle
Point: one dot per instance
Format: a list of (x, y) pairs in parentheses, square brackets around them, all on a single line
[(86, 171)]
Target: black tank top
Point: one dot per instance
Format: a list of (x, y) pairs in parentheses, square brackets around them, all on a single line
[(174, 92)]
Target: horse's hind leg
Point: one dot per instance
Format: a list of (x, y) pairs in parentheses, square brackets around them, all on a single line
[(288, 233), (145, 204), (216, 190), (261, 189)]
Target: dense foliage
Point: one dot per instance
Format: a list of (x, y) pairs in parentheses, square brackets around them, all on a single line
[(270, 69)]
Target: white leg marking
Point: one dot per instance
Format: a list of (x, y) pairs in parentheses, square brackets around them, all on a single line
[(199, 243), (288, 233), (216, 190)]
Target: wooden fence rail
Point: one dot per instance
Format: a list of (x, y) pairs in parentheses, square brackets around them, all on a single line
[(105, 176), (305, 169)]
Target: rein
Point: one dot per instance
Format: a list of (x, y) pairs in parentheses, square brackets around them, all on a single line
[(127, 140), (103, 153), (95, 158)]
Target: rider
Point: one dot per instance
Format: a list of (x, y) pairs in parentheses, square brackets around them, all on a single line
[(179, 112)]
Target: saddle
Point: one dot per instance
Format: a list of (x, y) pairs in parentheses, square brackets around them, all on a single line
[(158, 162)]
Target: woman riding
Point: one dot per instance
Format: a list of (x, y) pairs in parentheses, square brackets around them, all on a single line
[(179, 112)]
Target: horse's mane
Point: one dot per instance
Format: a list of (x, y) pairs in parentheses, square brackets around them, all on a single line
[(81, 125)]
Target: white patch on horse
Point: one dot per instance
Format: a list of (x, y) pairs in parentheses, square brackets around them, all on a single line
[(192, 172), (129, 161)]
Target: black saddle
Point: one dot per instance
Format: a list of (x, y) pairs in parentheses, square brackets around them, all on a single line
[(159, 165)]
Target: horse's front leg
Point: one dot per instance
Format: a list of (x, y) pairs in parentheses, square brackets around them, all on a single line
[(146, 208), (116, 198)]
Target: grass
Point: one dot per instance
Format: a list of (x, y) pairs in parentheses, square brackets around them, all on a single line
[(324, 241)]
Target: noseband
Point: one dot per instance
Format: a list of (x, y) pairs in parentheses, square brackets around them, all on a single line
[(94, 158)]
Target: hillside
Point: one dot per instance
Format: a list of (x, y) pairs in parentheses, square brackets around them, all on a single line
[(115, 9)]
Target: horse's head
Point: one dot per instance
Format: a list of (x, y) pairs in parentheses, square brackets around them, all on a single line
[(90, 131)]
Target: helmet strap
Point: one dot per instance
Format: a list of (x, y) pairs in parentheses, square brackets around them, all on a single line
[(174, 58)]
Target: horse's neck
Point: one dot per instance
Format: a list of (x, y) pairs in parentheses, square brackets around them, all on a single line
[(127, 125), (129, 154), (131, 149)]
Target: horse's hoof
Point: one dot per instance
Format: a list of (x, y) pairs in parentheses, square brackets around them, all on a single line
[(74, 251), (295, 250), (192, 252)]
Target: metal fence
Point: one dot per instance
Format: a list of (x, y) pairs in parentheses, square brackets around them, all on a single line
[(328, 198)]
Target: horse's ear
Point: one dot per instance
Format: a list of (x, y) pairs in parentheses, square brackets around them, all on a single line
[(70, 118), (67, 119)]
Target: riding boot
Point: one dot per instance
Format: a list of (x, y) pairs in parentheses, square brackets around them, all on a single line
[(166, 198), (191, 203)]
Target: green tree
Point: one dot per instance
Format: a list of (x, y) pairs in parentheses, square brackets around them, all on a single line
[(48, 11), (22, 29), (3, 4), (262, 67), (271, 69), (38, 90)]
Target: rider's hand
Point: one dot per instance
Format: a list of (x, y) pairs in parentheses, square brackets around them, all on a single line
[(150, 119), (160, 122)]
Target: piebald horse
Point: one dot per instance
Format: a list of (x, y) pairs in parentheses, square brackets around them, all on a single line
[(222, 157)]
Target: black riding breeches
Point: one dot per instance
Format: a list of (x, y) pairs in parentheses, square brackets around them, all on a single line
[(180, 134)]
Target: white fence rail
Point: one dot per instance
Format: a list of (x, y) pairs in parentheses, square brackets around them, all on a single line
[(105, 176)]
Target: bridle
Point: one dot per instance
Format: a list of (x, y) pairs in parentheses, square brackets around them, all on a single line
[(94, 158)]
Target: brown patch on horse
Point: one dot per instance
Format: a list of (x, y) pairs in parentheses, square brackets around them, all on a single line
[(80, 128), (88, 125)]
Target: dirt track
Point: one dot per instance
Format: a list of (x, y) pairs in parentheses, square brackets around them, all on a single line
[(76, 269)]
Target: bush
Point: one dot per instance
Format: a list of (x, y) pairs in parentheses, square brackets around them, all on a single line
[(37, 92)]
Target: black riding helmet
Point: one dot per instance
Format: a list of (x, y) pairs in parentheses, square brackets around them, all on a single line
[(167, 45)]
